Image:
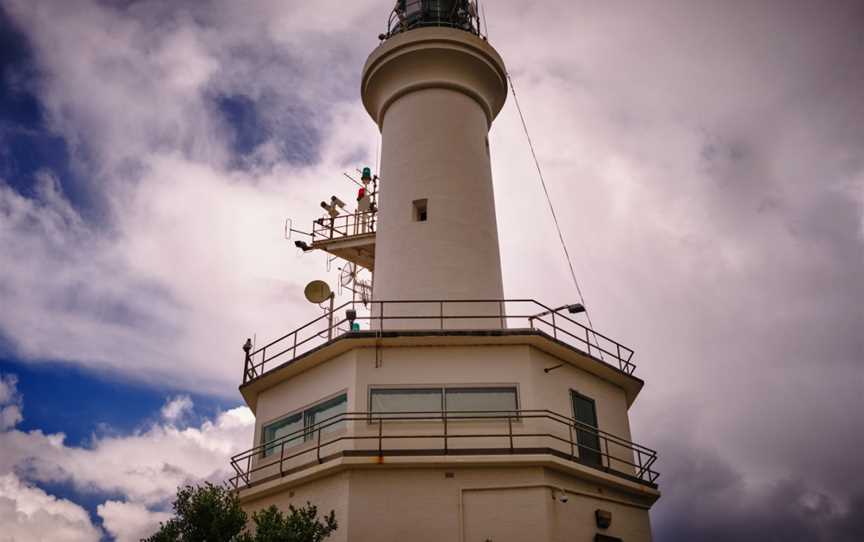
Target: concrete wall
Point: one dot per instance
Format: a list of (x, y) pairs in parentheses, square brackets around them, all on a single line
[(304, 390), (434, 93), (358, 371), (330, 493), (502, 504), (499, 501)]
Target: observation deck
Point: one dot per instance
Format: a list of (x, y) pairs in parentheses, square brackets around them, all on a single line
[(360, 436), (349, 236), (438, 322), (517, 437)]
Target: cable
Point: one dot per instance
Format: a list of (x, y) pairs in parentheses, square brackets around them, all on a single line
[(552, 208)]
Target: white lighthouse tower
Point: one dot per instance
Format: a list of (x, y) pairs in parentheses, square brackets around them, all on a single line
[(427, 406)]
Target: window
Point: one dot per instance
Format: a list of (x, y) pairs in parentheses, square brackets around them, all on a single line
[(282, 428), (420, 210), (302, 425), (411, 400), (585, 412), (499, 400), (457, 400), (326, 416)]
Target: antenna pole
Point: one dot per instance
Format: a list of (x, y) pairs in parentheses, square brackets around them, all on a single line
[(330, 318)]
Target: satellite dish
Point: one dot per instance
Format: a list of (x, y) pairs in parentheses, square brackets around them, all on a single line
[(317, 291)]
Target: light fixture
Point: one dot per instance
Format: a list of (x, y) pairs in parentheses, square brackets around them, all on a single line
[(603, 518), (575, 308)]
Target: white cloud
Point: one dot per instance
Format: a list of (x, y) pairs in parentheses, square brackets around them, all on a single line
[(146, 467), (8, 389), (176, 408), (699, 155), (28, 514), (129, 522), (10, 402), (192, 258)]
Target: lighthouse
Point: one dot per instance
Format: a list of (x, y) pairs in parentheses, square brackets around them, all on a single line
[(423, 404)]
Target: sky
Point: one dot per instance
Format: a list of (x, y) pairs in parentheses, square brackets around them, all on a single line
[(706, 160)]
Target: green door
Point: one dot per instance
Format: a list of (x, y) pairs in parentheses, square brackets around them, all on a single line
[(585, 412)]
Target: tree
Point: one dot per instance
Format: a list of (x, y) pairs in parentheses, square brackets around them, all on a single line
[(212, 513)]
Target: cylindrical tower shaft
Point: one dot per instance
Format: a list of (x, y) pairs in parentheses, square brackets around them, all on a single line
[(434, 93)]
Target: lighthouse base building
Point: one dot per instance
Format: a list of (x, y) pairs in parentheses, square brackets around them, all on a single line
[(437, 409)]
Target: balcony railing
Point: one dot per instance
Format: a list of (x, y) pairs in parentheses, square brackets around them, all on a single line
[(411, 14), (343, 226), (379, 317), (370, 434)]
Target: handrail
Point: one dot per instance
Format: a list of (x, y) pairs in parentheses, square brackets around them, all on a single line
[(369, 426), (486, 315), (418, 15), (342, 226)]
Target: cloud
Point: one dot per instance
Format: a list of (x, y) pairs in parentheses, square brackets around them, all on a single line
[(186, 252), (705, 159), (28, 513), (176, 408), (129, 522), (144, 467), (10, 402)]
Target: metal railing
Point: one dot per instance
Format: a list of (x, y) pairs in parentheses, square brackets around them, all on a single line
[(413, 14), (437, 315), (343, 226), (375, 434)]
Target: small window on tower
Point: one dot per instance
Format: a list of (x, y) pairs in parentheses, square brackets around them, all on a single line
[(420, 212)]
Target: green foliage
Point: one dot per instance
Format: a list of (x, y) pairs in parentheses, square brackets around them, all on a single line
[(211, 513), (300, 525)]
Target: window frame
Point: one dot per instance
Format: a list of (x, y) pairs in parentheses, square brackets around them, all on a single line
[(303, 414), (442, 388)]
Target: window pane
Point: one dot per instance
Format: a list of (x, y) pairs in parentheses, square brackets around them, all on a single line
[(583, 410), (321, 413), (481, 399), (406, 400), (281, 428)]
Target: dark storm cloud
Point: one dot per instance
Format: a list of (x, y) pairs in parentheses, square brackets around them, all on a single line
[(711, 155)]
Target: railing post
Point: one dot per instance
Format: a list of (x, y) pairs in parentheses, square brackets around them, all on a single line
[(319, 445), (294, 350), (588, 341), (572, 445), (330, 319), (510, 432), (501, 314), (441, 313), (282, 459), (446, 447), (380, 437), (554, 327), (608, 457)]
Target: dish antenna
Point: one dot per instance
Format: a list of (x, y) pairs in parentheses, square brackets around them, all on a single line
[(317, 292)]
